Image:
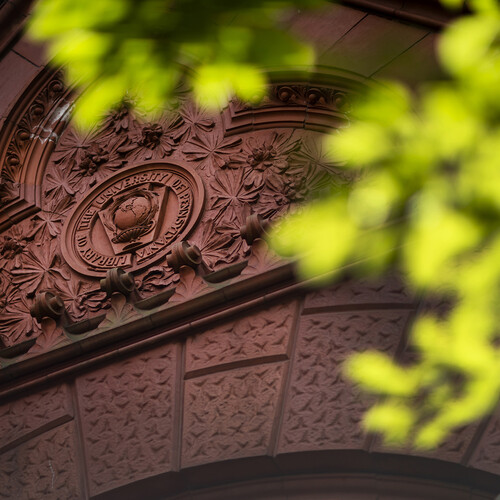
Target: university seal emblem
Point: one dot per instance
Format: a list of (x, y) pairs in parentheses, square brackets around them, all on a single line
[(132, 218)]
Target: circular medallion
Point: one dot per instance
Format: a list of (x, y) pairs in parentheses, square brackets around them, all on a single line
[(132, 219)]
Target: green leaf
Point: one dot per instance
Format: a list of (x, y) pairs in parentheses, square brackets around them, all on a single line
[(378, 373), (392, 419)]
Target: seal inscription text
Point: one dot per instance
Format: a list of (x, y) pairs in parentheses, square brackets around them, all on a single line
[(132, 218)]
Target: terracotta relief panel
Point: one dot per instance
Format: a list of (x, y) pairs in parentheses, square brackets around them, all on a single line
[(44, 467), (127, 411), (265, 332), (122, 194), (389, 290), (24, 418), (230, 415), (322, 410)]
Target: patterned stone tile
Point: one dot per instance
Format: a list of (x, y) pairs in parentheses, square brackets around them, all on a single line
[(323, 411), (127, 412), (230, 415)]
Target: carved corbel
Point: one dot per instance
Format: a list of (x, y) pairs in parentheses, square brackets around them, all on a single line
[(184, 254), (118, 281), (49, 310), (255, 227), (47, 305), (120, 286)]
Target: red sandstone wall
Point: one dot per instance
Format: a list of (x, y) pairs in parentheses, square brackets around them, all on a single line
[(236, 403)]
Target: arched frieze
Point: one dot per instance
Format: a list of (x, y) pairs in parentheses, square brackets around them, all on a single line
[(26, 143), (315, 101)]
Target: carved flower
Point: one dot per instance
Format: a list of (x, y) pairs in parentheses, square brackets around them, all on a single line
[(16, 322), (119, 120), (155, 278), (73, 292), (40, 268), (269, 157), (93, 157), (212, 150), (45, 224), (94, 300), (12, 246), (91, 167), (274, 198), (83, 159), (272, 153), (155, 140), (72, 147), (214, 245), (196, 123), (59, 184), (231, 193), (239, 247), (311, 155), (281, 191)]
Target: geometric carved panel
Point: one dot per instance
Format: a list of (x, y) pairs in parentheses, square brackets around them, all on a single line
[(265, 332), (127, 411), (387, 290), (44, 467), (230, 415), (32, 414), (323, 411)]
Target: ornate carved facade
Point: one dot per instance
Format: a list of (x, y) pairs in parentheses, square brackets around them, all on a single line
[(151, 344)]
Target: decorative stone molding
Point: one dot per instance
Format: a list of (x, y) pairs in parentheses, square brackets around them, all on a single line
[(293, 102), (26, 142)]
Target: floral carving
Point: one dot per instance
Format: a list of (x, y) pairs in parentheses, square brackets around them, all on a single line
[(40, 268), (16, 322), (155, 140), (44, 225), (311, 154), (12, 246), (94, 301), (119, 121), (8, 190), (263, 173), (195, 122), (120, 312), (212, 149), (262, 258), (93, 157), (190, 285), (59, 184), (156, 278), (271, 155), (214, 244), (231, 193), (51, 336), (73, 293), (83, 158)]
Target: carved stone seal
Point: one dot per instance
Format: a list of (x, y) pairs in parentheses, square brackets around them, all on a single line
[(132, 219)]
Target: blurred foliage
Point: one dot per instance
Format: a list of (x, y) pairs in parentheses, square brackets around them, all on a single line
[(147, 49), (427, 200)]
